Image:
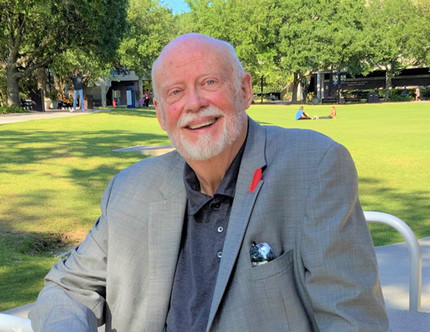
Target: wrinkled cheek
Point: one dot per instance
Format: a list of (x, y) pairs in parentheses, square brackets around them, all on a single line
[(172, 117)]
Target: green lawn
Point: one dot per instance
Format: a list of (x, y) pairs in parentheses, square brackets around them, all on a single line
[(54, 171)]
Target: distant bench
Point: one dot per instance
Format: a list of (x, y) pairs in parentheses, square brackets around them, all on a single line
[(26, 104), (352, 99), (330, 100)]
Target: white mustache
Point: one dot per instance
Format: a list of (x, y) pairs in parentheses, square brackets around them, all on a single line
[(189, 117)]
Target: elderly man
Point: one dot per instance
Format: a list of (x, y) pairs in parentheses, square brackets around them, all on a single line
[(242, 228)]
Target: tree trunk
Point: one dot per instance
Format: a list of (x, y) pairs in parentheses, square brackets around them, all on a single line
[(330, 85), (12, 86), (41, 79), (387, 85), (41, 85), (295, 87), (305, 89)]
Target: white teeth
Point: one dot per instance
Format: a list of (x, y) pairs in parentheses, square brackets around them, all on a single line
[(203, 124)]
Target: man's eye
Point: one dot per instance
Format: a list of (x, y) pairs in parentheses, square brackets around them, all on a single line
[(210, 82), (175, 92)]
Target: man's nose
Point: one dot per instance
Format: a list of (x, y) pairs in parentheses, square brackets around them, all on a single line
[(195, 100)]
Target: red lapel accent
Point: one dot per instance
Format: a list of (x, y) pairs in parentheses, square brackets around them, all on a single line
[(255, 179)]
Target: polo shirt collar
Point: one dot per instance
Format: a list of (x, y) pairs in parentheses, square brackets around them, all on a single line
[(196, 199)]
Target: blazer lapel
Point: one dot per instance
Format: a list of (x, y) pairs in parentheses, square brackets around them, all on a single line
[(244, 200), (166, 219)]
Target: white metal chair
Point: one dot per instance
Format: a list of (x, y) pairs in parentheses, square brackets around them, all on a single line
[(11, 323), (412, 319), (415, 272)]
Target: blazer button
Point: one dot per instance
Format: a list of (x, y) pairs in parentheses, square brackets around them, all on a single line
[(220, 229), (219, 254)]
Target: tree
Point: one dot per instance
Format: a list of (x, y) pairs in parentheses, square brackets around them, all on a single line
[(34, 32), (324, 35), (88, 64), (250, 26), (420, 46), (391, 31), (152, 26)]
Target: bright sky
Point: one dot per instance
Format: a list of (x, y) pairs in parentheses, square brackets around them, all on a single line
[(178, 6)]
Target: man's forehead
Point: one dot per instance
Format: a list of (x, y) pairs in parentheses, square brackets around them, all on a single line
[(183, 49), (205, 58), (192, 40)]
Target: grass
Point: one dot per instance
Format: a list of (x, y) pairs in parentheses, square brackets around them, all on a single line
[(54, 171)]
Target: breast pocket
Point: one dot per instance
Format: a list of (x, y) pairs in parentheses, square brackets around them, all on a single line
[(275, 283), (272, 268)]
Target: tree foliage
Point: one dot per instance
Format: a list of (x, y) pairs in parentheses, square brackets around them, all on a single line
[(420, 45), (322, 35), (34, 32), (152, 26), (393, 31), (275, 39), (250, 26)]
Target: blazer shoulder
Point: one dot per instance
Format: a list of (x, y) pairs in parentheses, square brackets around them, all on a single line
[(150, 172), (161, 163)]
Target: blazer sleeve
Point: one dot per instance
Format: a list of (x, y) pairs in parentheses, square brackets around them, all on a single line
[(341, 274), (73, 298)]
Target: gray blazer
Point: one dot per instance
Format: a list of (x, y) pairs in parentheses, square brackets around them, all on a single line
[(305, 207)]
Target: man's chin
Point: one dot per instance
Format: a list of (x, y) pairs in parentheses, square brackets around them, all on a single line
[(199, 152)]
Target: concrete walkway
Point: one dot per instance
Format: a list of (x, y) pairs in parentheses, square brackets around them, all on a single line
[(393, 263), (21, 117)]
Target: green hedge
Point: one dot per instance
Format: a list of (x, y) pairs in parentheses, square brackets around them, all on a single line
[(12, 109), (395, 94), (425, 93)]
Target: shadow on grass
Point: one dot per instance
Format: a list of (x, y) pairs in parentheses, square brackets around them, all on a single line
[(75, 165), (67, 144), (26, 258), (27, 275), (33, 244), (81, 158), (412, 208)]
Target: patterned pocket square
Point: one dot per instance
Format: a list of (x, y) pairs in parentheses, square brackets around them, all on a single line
[(260, 253)]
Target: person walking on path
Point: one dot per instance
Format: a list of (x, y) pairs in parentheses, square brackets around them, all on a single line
[(78, 89), (147, 98), (417, 94)]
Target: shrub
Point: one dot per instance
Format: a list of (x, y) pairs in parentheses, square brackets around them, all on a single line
[(360, 94), (399, 95), (11, 109), (425, 93), (53, 95)]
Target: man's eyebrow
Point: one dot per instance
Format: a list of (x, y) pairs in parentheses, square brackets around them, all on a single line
[(169, 84)]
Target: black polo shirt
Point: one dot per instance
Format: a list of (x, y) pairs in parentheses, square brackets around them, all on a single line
[(202, 242)]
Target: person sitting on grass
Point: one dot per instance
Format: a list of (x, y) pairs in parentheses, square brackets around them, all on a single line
[(301, 115), (332, 115)]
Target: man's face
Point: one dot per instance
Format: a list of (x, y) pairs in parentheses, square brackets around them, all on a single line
[(197, 103)]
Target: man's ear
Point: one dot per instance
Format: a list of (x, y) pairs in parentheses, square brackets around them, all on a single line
[(247, 90), (160, 116)]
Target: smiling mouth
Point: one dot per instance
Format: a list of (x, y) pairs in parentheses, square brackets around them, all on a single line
[(202, 125)]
